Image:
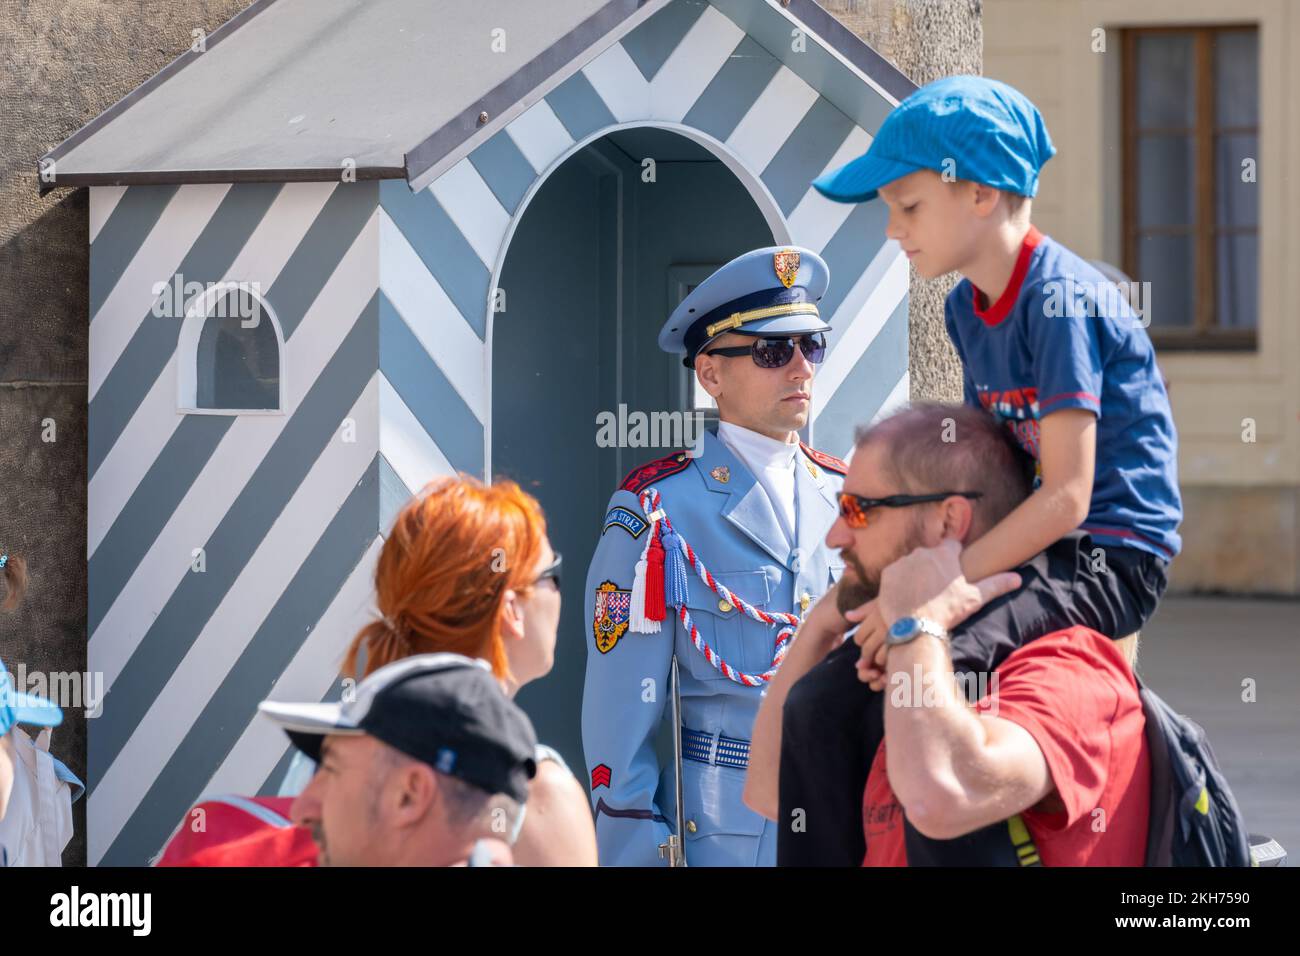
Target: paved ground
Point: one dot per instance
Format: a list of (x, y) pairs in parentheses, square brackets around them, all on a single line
[(1196, 653)]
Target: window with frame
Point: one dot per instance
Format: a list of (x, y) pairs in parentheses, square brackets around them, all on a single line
[(1190, 104), (230, 353)]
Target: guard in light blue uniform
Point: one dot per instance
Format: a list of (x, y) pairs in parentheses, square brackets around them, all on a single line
[(769, 553)]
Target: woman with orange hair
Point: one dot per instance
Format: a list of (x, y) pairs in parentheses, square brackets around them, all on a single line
[(468, 568)]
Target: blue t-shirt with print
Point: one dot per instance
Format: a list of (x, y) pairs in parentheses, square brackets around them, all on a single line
[(1062, 336)]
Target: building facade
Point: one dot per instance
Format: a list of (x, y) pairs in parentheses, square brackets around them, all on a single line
[(1174, 121)]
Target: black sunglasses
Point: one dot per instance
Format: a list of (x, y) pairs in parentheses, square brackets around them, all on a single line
[(551, 571), (776, 352), (854, 508)]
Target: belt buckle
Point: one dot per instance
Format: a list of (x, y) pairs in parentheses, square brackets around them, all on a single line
[(713, 748)]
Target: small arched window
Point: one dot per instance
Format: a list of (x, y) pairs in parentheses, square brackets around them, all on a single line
[(230, 353)]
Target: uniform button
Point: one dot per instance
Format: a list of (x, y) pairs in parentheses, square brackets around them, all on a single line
[(690, 826), (724, 605)]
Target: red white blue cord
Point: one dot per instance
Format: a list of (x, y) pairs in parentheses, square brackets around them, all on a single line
[(651, 502)]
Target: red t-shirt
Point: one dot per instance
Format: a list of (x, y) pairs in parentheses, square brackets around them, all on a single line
[(1075, 694)]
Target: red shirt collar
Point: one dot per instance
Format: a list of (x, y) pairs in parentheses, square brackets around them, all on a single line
[(1002, 308)]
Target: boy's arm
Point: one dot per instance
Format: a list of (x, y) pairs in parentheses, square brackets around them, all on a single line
[(1067, 451), (1067, 376)]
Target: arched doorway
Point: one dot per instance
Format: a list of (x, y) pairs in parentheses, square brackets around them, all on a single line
[(605, 248)]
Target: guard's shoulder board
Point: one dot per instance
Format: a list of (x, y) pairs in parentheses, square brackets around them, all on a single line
[(642, 478), (829, 462)]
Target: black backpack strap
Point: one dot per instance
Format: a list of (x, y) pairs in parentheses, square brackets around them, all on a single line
[(1163, 815), (1195, 820)]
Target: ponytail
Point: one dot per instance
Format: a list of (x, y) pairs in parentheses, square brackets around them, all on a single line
[(442, 576)]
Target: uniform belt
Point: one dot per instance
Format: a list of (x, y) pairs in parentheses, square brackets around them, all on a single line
[(715, 749)]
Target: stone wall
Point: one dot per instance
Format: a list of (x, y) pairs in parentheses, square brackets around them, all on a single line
[(65, 61), (926, 40)]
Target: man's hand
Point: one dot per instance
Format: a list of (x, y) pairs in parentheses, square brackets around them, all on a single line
[(870, 636), (929, 583)]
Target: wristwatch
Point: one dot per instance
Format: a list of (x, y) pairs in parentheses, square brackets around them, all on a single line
[(906, 629)]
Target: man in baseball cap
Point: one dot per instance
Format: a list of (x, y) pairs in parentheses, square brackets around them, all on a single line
[(428, 758)]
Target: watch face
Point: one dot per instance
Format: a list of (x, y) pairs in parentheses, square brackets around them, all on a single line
[(902, 627)]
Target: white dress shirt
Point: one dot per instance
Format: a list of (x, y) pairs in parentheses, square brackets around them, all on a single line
[(772, 463)]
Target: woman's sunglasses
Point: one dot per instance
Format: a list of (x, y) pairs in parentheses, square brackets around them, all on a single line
[(855, 509), (777, 352), (551, 571)]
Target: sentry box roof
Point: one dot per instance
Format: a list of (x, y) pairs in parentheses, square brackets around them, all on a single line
[(298, 90)]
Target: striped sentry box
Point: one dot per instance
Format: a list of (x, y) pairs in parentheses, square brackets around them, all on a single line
[(382, 298)]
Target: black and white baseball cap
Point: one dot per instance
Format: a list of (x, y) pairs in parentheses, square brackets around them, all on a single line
[(444, 709)]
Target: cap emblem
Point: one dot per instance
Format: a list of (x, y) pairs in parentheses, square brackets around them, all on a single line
[(786, 265)]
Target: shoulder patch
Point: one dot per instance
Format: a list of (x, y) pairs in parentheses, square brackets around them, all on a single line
[(628, 520), (641, 478), (829, 462), (610, 619)]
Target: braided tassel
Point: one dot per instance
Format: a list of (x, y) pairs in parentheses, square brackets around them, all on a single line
[(638, 623), (674, 571), (655, 610)]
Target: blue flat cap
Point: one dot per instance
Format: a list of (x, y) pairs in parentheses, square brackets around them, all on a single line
[(770, 291), (969, 126)]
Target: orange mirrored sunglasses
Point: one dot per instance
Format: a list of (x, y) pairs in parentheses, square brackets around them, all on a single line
[(855, 509)]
